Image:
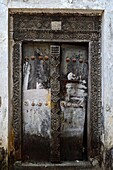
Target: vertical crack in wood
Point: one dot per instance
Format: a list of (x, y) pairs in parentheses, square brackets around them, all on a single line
[(55, 104)]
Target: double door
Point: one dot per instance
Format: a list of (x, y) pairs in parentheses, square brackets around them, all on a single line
[(54, 102)]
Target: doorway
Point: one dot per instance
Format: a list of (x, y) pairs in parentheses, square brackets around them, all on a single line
[(54, 101), (57, 54)]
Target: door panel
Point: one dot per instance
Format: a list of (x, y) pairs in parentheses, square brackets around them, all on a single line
[(38, 108), (73, 101), (36, 102)]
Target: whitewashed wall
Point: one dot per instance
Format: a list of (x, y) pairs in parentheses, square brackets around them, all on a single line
[(107, 55), (3, 73)]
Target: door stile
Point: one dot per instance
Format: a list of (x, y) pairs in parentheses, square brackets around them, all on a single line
[(55, 103)]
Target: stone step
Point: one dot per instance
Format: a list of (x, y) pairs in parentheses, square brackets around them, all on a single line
[(63, 166)]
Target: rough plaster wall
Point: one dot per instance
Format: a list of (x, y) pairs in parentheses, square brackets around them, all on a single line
[(75, 4), (107, 68), (107, 55)]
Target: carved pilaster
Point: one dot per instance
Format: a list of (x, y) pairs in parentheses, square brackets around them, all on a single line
[(95, 98), (17, 98), (55, 104)]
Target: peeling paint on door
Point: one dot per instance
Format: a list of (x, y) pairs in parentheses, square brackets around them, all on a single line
[(73, 101), (36, 101)]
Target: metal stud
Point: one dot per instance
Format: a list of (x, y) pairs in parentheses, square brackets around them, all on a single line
[(81, 60), (46, 57), (26, 58), (32, 57), (40, 104), (67, 59), (33, 104), (74, 60), (40, 58)]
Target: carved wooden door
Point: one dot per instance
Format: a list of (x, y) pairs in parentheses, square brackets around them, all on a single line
[(54, 105)]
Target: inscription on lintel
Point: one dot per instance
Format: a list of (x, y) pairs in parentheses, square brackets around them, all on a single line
[(56, 25)]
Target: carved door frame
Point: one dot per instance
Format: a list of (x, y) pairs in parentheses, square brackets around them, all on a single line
[(75, 28)]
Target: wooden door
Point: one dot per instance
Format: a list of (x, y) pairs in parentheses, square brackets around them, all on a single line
[(36, 102), (54, 102)]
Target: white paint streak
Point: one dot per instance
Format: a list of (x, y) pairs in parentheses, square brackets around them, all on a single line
[(36, 112)]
